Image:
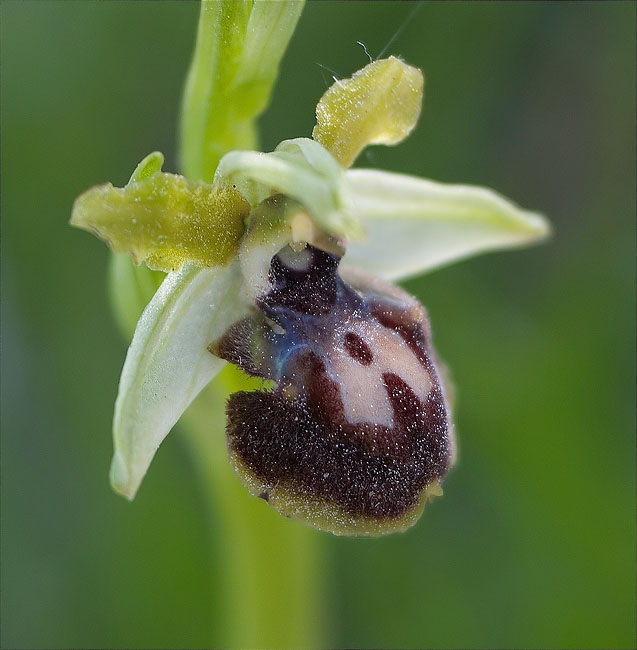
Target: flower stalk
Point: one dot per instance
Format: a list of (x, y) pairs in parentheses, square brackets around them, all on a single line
[(268, 570)]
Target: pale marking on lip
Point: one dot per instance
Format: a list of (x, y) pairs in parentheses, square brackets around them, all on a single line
[(362, 390), (297, 260)]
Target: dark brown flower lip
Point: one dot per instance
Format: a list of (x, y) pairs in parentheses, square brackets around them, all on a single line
[(357, 425), (364, 470)]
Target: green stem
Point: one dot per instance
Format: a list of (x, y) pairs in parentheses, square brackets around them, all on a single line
[(266, 568)]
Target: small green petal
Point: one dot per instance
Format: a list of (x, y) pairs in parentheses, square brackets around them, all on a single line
[(164, 220), (415, 225), (168, 363), (380, 104)]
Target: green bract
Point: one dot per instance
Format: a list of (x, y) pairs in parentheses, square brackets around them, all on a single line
[(236, 60), (217, 240)]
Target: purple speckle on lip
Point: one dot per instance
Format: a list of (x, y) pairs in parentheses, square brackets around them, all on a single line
[(357, 348)]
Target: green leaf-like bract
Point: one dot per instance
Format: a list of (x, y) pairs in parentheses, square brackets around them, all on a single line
[(239, 47)]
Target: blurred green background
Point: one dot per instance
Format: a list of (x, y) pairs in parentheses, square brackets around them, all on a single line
[(533, 544)]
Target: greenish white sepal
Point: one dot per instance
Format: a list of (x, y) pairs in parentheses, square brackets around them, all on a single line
[(168, 363), (415, 225), (130, 289)]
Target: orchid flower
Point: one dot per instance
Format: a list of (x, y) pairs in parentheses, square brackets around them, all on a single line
[(282, 266)]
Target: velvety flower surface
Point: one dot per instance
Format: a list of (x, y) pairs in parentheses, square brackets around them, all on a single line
[(356, 434), (280, 266)]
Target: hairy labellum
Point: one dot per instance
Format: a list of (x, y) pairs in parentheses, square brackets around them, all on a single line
[(356, 436)]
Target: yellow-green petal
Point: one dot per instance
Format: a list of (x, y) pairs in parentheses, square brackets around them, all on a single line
[(164, 220), (380, 104)]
